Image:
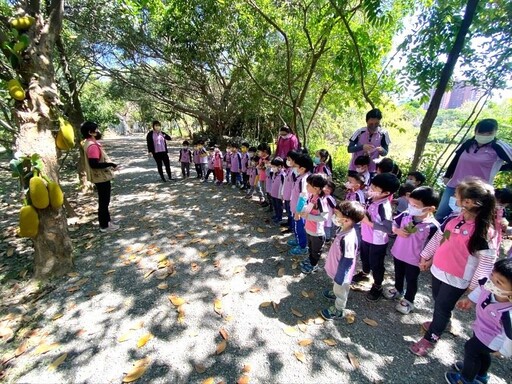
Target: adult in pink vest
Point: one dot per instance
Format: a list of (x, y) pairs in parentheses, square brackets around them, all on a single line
[(286, 142), (371, 140)]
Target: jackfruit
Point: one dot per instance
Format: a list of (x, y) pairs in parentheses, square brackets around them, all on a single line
[(16, 90), (38, 193), (23, 23), (22, 43), (66, 136), (56, 195), (29, 222)]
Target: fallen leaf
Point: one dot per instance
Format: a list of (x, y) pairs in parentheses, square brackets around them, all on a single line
[(350, 318), (144, 339), (204, 254), (163, 286), (295, 265), (305, 294), (109, 272), (353, 360), (200, 368), (297, 313), (221, 347), (211, 246), (137, 325), (330, 342), (302, 327), (176, 300), (10, 252), (247, 368), (291, 331), (300, 356), (224, 333), (254, 251), (110, 309), (255, 289), (137, 371), (260, 230), (57, 316), (370, 322), (73, 274), (82, 281), (280, 272), (194, 267), (208, 381), (73, 288), (216, 263), (22, 348), (305, 342), (126, 336), (217, 306), (149, 273), (319, 320), (43, 348), (58, 361), (265, 304), (238, 269), (244, 379)]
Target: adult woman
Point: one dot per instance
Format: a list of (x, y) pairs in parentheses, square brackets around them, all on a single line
[(482, 156), (286, 142), (157, 146), (99, 171)]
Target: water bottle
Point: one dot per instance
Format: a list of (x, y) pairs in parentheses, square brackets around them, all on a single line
[(301, 203)]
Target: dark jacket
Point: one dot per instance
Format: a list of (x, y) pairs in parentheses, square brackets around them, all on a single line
[(151, 144)]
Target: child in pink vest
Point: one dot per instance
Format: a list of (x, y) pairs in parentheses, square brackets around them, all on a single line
[(276, 191)]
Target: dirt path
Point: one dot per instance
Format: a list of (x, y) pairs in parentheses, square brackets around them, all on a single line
[(217, 252)]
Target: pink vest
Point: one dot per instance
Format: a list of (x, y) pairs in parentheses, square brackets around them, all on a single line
[(336, 253)]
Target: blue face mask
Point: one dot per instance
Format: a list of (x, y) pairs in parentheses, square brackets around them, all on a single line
[(316, 160), (452, 203)]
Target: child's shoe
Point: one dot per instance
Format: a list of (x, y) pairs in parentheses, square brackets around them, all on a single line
[(374, 294), (391, 293), (421, 347), (404, 306), (456, 378), (292, 242), (480, 379), (298, 251), (331, 313), (360, 277), (329, 294), (307, 268)]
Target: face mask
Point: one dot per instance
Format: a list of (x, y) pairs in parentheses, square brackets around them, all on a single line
[(251, 154), (289, 163), (360, 170), (413, 211), (295, 171), (410, 182), (348, 185), (484, 139), (337, 222), (274, 169), (316, 160), (452, 203), (185, 147), (491, 287), (373, 195)]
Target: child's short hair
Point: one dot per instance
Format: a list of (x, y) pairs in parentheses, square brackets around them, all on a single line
[(264, 148), (245, 144), (304, 161), (405, 189), (385, 165), (427, 195), (293, 155), (255, 158), (352, 210), (503, 195), (252, 149), (317, 180), (234, 145), (504, 268), (374, 114), (387, 182), (330, 184), (200, 142), (420, 177), (155, 122), (362, 160), (185, 143), (359, 179), (277, 161)]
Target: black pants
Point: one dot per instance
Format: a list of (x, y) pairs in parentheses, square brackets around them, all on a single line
[(185, 169), (245, 180), (277, 204), (372, 258), (315, 244), (445, 296), (199, 170), (103, 203), (235, 177), (208, 172), (477, 359), (409, 273), (162, 158)]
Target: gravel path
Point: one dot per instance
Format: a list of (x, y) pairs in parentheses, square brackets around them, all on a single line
[(217, 252)]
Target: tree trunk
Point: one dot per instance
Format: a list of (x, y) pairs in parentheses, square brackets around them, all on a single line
[(446, 73), (35, 115)]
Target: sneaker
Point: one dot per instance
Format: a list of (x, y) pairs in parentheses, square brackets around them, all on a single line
[(307, 268), (421, 347), (233, 186), (331, 313), (298, 251), (292, 243), (329, 294), (456, 378), (425, 325), (391, 293), (374, 294), (111, 228), (404, 306), (480, 379), (360, 277), (248, 197), (264, 204)]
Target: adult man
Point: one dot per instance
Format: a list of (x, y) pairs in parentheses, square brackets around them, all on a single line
[(157, 146), (371, 140), (286, 142)]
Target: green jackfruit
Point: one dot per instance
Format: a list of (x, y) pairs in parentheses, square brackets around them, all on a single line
[(29, 222), (23, 23), (56, 195), (66, 136), (38, 193), (16, 90)]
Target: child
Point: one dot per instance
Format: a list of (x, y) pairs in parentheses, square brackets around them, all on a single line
[(263, 153), (197, 161), (227, 163), (323, 163), (252, 172), (236, 165), (245, 163), (314, 215), (362, 163), (330, 203), (403, 197), (503, 200), (185, 159), (203, 158), (376, 227), (415, 178), (277, 188), (387, 165), (289, 182), (211, 166), (355, 188), (341, 260), (415, 229), (492, 329), (303, 168), (464, 256), (217, 165)]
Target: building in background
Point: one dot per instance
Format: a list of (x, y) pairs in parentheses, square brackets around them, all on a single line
[(458, 95)]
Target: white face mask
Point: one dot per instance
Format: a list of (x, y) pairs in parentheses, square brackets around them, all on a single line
[(289, 163), (410, 182), (373, 194), (360, 170), (348, 185), (484, 139), (295, 171), (413, 211), (491, 287), (337, 222), (452, 203)]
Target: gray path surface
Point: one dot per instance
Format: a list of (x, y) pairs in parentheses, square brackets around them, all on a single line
[(216, 246)]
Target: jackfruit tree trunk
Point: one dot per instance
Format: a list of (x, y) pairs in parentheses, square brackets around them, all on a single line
[(35, 116)]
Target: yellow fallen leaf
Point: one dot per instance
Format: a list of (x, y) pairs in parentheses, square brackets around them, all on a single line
[(224, 333), (144, 339), (73, 288), (244, 379), (295, 265), (353, 360), (300, 356), (217, 306), (260, 230), (302, 327), (297, 313), (137, 325), (280, 272), (110, 309), (305, 294), (200, 368), (254, 251), (73, 274), (330, 342), (58, 361), (57, 316), (22, 348), (291, 331), (265, 304), (176, 300), (211, 246), (370, 322), (247, 368), (43, 348), (209, 380), (350, 318), (221, 347), (255, 289), (163, 286), (126, 336), (137, 371), (109, 272), (305, 342), (204, 254), (319, 320), (82, 281)]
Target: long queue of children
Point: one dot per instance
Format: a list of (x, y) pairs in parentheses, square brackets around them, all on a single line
[(369, 223)]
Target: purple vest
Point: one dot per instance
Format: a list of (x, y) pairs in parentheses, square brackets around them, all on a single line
[(372, 235), (184, 155), (362, 136), (277, 182), (288, 184), (245, 162), (335, 254), (298, 187), (235, 162)]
